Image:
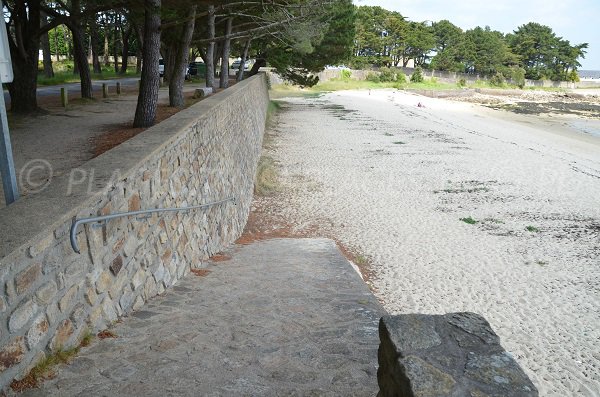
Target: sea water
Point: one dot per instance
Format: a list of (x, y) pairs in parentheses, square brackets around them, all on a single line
[(590, 127)]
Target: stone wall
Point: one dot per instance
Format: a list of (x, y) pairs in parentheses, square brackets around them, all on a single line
[(50, 296), (456, 354)]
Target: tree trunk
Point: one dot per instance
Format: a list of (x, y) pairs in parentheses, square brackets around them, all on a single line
[(217, 55), (24, 54), (94, 45), (138, 61), (24, 86), (240, 74), (125, 56), (138, 54), (170, 57), (116, 42), (106, 30), (81, 59), (145, 112), (260, 63), (67, 43), (56, 44), (209, 61), (224, 78), (180, 62), (45, 43), (72, 52)]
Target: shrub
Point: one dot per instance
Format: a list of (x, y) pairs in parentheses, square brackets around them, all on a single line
[(497, 80), (573, 76), (373, 77), (387, 75), (345, 74), (417, 76), (462, 82), (518, 76), (401, 77)]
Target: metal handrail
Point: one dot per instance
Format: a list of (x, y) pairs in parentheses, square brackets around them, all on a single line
[(77, 222)]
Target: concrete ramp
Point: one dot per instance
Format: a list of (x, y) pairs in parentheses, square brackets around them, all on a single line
[(277, 317)]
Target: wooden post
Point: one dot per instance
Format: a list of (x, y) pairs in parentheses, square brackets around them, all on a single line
[(118, 88), (104, 90), (64, 96)]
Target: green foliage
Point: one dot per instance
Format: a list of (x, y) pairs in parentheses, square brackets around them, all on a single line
[(573, 76), (532, 229), (401, 77), (469, 220), (497, 80), (60, 41), (543, 54), (63, 73), (345, 74), (272, 109), (309, 46), (449, 41), (417, 76), (387, 75), (485, 52), (359, 63), (462, 82), (517, 75), (385, 38), (373, 77)]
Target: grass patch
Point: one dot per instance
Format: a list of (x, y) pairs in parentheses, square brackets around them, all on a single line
[(493, 220), (399, 143), (272, 109), (45, 369), (267, 181), (469, 220), (428, 85), (63, 73), (287, 90), (532, 229), (388, 134), (360, 260)]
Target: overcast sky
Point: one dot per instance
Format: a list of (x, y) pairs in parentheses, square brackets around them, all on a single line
[(577, 21)]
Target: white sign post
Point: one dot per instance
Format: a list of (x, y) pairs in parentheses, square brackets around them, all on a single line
[(7, 165)]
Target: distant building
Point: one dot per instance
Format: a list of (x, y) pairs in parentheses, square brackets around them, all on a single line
[(589, 74)]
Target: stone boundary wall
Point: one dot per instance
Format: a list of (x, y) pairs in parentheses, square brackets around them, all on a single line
[(451, 77), (456, 354), (50, 296)]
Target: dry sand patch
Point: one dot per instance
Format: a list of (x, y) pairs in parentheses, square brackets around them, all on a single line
[(530, 259)]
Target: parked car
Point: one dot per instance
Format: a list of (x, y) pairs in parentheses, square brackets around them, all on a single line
[(197, 68), (161, 67), (236, 64)]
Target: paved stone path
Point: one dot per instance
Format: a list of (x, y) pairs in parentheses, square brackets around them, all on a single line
[(281, 317)]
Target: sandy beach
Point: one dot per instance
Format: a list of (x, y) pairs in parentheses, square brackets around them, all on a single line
[(456, 207)]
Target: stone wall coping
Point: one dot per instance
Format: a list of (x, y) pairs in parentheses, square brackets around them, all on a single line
[(33, 218)]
